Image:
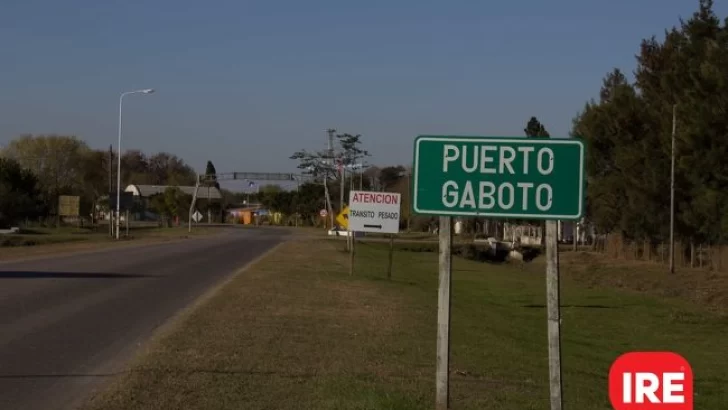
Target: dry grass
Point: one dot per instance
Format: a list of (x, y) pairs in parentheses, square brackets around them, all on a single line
[(296, 332), (281, 335), (699, 286)]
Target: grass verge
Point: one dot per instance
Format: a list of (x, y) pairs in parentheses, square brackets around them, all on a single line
[(296, 332)]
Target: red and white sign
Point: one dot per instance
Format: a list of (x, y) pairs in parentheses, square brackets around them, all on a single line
[(323, 213), (374, 211), (651, 381)]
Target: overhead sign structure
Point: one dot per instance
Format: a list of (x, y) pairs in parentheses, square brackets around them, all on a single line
[(374, 211), (197, 216), (500, 177), (343, 218)]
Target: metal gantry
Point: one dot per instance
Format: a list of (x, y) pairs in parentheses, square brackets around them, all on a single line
[(244, 176)]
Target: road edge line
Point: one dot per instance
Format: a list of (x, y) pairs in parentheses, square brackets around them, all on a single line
[(165, 329), (178, 318), (112, 246)]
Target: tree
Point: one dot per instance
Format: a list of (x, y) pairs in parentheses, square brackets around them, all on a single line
[(308, 200), (211, 175), (172, 203), (19, 194), (167, 169), (54, 159), (534, 129), (319, 165), (93, 167), (351, 151), (628, 135), (390, 176)]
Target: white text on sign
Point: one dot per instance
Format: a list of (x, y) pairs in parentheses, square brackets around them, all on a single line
[(647, 384), (494, 159), (651, 381)]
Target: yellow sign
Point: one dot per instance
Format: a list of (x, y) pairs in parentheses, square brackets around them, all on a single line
[(343, 218), (68, 205)]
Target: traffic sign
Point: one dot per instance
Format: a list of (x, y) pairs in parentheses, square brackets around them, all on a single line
[(197, 216), (343, 218), (502, 177), (374, 211), (323, 213)]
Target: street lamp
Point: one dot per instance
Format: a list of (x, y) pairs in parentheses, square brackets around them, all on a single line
[(118, 164)]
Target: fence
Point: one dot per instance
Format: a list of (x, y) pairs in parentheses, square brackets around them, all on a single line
[(712, 257)]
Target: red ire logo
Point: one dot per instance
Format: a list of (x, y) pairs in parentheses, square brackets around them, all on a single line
[(651, 381)]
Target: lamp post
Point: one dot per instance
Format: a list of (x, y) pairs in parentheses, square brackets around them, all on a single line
[(118, 163)]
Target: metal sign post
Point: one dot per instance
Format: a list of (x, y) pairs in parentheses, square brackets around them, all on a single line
[(553, 313), (391, 256), (351, 255), (498, 177), (370, 211), (442, 371)]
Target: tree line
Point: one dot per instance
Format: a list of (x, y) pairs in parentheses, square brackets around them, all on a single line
[(628, 131), (36, 169)]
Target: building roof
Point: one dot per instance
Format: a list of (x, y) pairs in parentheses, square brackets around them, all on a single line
[(148, 190)]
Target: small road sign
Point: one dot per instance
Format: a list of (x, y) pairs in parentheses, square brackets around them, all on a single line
[(197, 216), (374, 211), (343, 218), (501, 177), (323, 213)]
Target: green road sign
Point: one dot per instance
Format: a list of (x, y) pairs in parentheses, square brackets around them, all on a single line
[(501, 177)]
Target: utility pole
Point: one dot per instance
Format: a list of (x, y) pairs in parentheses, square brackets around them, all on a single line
[(111, 188), (409, 197), (331, 132), (342, 173), (672, 192)]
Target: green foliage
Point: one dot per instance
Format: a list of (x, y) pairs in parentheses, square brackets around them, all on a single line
[(534, 129), (307, 201), (211, 176), (56, 160), (65, 165), (390, 176), (351, 152), (628, 136), (159, 169), (19, 194), (172, 203)]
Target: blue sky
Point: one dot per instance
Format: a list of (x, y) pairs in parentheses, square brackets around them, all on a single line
[(246, 83)]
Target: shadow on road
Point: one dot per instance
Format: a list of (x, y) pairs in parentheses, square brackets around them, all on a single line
[(67, 275)]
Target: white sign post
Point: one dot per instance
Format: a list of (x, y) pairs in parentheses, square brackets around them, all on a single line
[(374, 211)]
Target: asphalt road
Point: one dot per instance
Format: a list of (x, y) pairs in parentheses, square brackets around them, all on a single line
[(70, 323)]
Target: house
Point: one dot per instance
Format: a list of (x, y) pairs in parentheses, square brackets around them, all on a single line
[(243, 215), (146, 191)]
